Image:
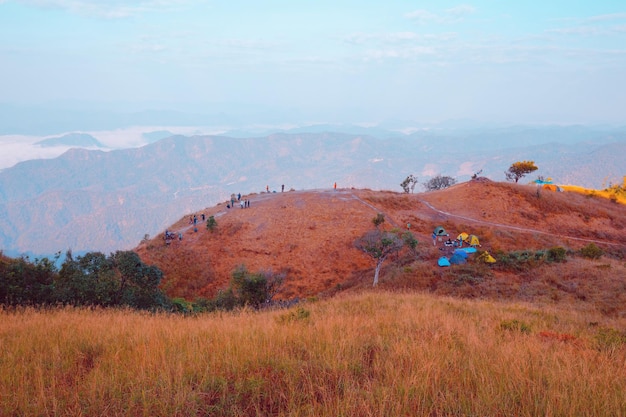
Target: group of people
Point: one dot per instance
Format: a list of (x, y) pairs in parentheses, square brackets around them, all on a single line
[(242, 203)]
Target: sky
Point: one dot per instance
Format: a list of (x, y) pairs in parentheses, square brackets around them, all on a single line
[(338, 61)]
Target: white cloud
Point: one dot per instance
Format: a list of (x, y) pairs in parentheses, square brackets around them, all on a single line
[(397, 37), (578, 30), (399, 53), (611, 16), (422, 16), (460, 11)]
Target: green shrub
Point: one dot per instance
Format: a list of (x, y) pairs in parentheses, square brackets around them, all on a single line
[(556, 254), (211, 223), (592, 251)]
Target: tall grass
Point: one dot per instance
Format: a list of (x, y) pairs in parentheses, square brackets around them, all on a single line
[(370, 354)]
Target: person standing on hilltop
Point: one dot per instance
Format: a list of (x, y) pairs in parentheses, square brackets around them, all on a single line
[(335, 186), (267, 188), (282, 188)]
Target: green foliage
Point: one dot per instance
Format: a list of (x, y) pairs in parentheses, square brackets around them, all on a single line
[(439, 182), (211, 223), (23, 282), (592, 251), (255, 289), (518, 261), (378, 245), (409, 183), (410, 242), (379, 219), (515, 326), (556, 254), (86, 280), (120, 279), (519, 169)]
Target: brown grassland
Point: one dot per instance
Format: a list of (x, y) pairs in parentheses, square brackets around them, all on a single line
[(366, 354), (526, 336)]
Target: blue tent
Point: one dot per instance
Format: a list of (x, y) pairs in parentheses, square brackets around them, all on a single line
[(461, 253), (457, 259), (468, 250), (443, 261)]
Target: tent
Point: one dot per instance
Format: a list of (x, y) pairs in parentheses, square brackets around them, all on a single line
[(457, 259), (461, 253), (443, 261), (440, 231), (462, 237), (487, 258), (472, 240), (468, 250), (551, 187)]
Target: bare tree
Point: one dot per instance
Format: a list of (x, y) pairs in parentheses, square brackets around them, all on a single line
[(379, 245), (409, 183)]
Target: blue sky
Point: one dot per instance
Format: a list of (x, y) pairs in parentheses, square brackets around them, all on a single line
[(323, 61)]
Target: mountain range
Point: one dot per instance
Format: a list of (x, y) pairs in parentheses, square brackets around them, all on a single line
[(88, 200)]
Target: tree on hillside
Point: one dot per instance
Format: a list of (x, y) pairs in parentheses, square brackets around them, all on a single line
[(519, 169), (439, 182), (255, 289), (211, 223), (379, 245), (86, 280), (26, 282), (409, 183), (378, 220), (138, 283)]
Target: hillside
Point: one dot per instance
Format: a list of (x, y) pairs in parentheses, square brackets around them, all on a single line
[(88, 200), (310, 235)]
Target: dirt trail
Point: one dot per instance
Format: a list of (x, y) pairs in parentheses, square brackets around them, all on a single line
[(516, 228)]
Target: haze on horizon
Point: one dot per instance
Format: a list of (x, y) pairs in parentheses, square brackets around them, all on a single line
[(325, 61)]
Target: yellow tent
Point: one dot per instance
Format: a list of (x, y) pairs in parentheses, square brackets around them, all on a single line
[(462, 236), (472, 240), (487, 258)]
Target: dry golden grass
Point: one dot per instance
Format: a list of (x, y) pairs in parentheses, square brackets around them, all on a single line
[(368, 354), (609, 193)]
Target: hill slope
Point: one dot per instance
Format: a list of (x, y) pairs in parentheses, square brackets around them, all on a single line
[(94, 200), (310, 236)]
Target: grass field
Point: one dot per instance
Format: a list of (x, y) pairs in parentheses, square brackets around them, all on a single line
[(368, 354), (616, 194)]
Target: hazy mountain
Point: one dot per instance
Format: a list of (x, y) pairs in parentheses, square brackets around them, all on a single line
[(156, 135), (80, 140), (95, 200)]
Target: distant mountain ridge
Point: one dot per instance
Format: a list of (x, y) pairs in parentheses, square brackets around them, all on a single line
[(82, 140), (95, 200)]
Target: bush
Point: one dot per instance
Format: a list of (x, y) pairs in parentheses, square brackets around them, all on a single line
[(556, 254), (211, 223), (592, 251), (518, 260)]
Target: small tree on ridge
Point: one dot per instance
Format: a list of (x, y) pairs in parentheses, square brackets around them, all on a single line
[(378, 245), (519, 169)]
